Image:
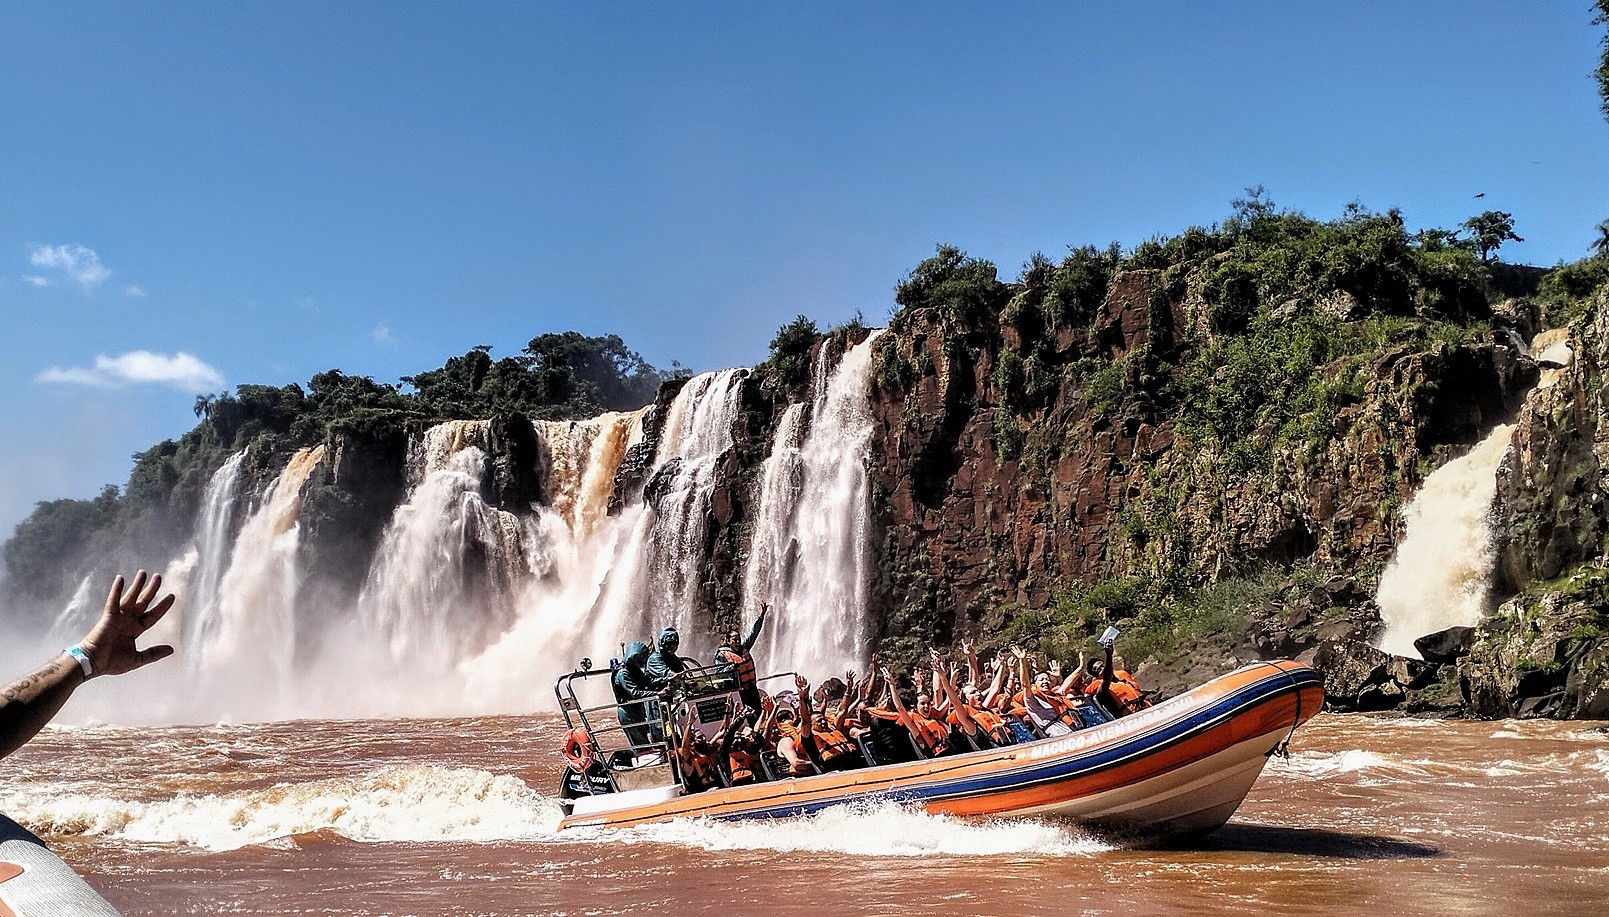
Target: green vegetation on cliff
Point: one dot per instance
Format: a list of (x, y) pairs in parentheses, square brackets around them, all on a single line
[(1165, 425)]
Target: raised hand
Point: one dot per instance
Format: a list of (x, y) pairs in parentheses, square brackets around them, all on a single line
[(128, 614)]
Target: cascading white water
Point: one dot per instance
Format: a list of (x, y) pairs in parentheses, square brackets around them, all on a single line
[(250, 654), (468, 608), (560, 619), (80, 612), (1441, 574), (810, 559), (444, 578), (214, 537), (665, 559)]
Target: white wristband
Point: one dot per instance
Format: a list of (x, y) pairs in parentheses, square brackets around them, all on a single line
[(77, 652)]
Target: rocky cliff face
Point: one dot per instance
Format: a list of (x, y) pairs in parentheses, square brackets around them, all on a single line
[(1545, 651), (990, 495)]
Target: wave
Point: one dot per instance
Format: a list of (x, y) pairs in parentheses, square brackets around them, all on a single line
[(394, 803), (876, 829), (425, 804)]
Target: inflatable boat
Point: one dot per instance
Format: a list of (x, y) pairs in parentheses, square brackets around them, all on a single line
[(1182, 766)]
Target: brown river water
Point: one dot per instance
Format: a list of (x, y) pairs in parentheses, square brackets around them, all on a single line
[(421, 817)]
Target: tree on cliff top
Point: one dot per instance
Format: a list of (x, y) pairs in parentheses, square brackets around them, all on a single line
[(953, 284), (1602, 73), (557, 376), (1490, 230)]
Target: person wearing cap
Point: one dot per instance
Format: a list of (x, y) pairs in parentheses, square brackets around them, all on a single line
[(663, 663)]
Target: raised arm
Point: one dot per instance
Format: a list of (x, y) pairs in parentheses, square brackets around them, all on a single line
[(998, 683), (971, 652), (754, 629), (30, 702), (803, 687), (953, 697), (848, 706)]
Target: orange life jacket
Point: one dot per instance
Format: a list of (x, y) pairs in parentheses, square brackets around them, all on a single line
[(743, 764), (792, 731), (1124, 691), (930, 735), (699, 771), (830, 743), (742, 664), (991, 723)]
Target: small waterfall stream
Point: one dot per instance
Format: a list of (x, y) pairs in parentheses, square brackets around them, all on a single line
[(214, 538), (1441, 574), (250, 653)]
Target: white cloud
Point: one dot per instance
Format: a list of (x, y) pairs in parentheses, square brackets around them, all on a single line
[(137, 367), (134, 291), (382, 334), (79, 264), (37, 280)]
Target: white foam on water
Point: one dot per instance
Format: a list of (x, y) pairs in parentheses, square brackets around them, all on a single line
[(395, 803), (876, 829), (1600, 762), (1315, 765)]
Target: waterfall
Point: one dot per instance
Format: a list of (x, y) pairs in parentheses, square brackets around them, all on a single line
[(810, 559), (1441, 574), (252, 640), (559, 619), (444, 578), (213, 539), (665, 560)]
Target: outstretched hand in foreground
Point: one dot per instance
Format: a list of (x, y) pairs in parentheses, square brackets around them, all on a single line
[(128, 614), (31, 701)]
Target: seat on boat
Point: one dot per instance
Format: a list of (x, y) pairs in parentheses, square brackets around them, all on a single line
[(891, 743)]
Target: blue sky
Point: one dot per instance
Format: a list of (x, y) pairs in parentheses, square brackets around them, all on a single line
[(194, 196)]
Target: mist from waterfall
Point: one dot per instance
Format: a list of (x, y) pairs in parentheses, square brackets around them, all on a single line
[(810, 558), (1441, 574)]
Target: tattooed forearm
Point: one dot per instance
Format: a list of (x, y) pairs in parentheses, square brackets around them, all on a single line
[(25, 688), (28, 703)]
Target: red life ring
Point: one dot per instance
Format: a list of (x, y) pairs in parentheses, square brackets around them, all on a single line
[(578, 749)]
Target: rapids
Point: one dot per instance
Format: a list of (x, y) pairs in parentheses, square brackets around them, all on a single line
[(427, 817)]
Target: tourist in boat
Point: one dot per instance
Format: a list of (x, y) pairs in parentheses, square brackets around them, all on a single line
[(822, 736), (30, 702), (931, 738), (734, 656), (1113, 688), (632, 682), (698, 757), (663, 664), (743, 750), (965, 729), (793, 731), (1039, 703)]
